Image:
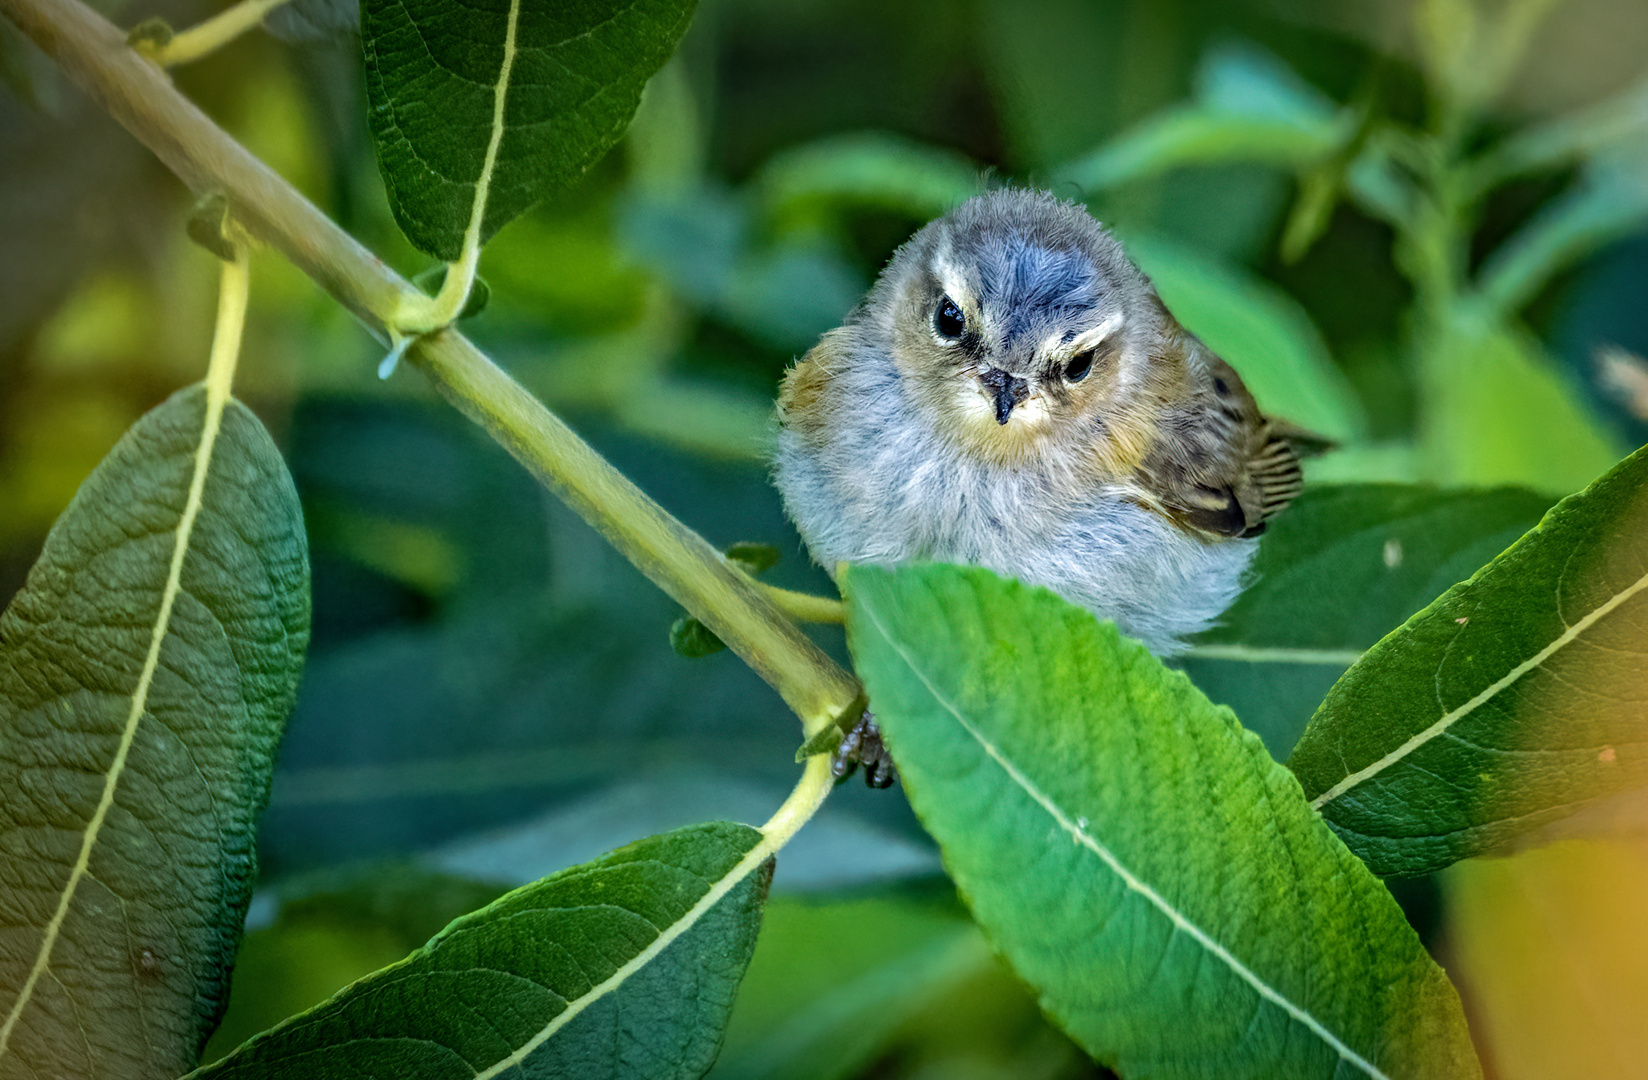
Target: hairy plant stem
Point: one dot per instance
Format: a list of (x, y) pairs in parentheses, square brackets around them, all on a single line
[(142, 98)]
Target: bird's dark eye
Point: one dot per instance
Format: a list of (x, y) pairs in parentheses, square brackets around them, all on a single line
[(948, 320), (1078, 367)]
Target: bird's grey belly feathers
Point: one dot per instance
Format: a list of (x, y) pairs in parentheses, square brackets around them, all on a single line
[(903, 498)]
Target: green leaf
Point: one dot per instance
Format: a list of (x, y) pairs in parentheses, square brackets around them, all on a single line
[(621, 967), (755, 557), (153, 31), (1499, 411), (1345, 565), (333, 928), (868, 169), (1250, 107), (147, 669), (1609, 202), (1137, 857), (1341, 568), (208, 223), (479, 111), (692, 639), (1513, 700), (838, 850), (825, 742), (1192, 135), (1605, 129), (1264, 334)]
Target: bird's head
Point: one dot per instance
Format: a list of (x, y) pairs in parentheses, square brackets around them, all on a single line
[(1024, 330)]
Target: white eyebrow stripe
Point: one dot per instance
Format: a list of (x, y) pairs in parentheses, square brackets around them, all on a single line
[(1095, 337), (954, 281)]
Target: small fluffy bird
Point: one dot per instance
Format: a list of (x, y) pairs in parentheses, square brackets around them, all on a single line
[(1013, 393)]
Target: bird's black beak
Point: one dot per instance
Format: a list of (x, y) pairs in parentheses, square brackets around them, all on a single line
[(1008, 390)]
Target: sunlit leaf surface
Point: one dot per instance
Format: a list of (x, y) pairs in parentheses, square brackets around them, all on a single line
[(1501, 412), (1137, 857)]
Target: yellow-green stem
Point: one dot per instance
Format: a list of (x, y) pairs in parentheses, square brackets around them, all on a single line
[(234, 293), (815, 784), (805, 607), (137, 94), (205, 38)]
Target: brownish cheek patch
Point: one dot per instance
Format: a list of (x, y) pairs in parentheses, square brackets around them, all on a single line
[(1125, 444)]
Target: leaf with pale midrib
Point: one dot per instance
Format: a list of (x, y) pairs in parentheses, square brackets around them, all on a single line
[(1138, 858), (133, 979), (1338, 570), (1346, 564), (434, 68), (624, 967), (1514, 699)]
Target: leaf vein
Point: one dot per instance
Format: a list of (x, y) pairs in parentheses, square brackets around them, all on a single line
[(1451, 717)]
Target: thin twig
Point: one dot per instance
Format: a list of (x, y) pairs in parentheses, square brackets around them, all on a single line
[(207, 37)]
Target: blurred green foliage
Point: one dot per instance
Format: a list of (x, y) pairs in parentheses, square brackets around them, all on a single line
[(1401, 223)]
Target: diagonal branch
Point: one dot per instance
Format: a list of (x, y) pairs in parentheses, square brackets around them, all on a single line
[(142, 98)]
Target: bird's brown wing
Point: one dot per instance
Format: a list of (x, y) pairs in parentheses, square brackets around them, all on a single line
[(1274, 474), (1218, 466)]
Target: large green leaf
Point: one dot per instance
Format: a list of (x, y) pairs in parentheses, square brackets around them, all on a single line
[(480, 110), (1138, 858), (1343, 567), (621, 967), (146, 672), (1264, 334), (1514, 699), (1498, 410)]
